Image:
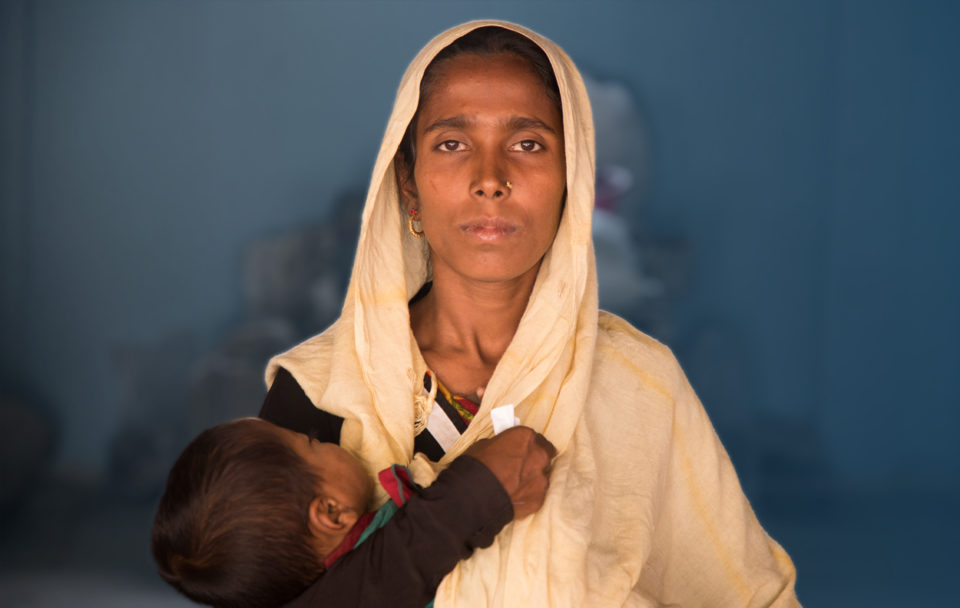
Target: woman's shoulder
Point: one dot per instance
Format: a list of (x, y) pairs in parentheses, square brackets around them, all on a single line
[(614, 331), (627, 352), (317, 344), (308, 358)]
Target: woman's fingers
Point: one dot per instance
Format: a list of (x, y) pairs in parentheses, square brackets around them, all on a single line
[(520, 459)]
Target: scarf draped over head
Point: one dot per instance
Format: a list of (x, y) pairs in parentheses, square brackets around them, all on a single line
[(644, 508)]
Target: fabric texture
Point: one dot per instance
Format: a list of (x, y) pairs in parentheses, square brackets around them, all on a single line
[(644, 507)]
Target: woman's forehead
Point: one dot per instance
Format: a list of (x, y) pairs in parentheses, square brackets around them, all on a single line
[(504, 83)]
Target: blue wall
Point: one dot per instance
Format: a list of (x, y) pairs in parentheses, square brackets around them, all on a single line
[(807, 150)]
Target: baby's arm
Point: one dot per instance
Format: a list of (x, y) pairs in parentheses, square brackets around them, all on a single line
[(463, 510), (402, 563)]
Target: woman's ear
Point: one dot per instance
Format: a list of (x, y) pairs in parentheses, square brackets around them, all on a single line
[(405, 182), (327, 516)]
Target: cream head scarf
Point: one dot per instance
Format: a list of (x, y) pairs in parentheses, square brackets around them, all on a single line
[(644, 508)]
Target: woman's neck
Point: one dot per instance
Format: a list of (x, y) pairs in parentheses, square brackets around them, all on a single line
[(463, 327)]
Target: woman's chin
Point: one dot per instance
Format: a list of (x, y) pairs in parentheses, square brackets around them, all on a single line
[(487, 274)]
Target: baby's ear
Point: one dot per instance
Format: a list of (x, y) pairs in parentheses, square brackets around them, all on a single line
[(329, 516)]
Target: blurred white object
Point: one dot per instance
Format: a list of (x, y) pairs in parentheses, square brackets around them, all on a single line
[(622, 284), (620, 132), (621, 151)]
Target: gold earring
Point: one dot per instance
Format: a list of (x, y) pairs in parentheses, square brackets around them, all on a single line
[(413, 218)]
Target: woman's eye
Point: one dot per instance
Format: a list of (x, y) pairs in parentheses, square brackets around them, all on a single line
[(527, 145), (451, 145)]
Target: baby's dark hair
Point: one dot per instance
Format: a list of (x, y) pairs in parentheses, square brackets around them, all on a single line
[(483, 41), (232, 526)]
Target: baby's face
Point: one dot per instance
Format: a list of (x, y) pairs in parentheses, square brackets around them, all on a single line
[(341, 475)]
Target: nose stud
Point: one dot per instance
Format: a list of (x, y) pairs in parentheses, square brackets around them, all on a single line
[(509, 185)]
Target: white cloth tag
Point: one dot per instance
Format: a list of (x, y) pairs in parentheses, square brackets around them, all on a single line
[(503, 418), (442, 428)]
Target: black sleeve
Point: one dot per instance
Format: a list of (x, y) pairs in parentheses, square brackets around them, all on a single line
[(401, 564), (288, 406)]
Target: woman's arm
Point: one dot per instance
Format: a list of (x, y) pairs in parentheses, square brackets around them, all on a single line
[(402, 563), (707, 531)]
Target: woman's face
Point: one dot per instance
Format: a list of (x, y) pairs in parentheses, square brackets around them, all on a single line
[(489, 177)]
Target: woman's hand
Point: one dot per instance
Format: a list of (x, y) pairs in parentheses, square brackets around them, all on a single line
[(520, 459)]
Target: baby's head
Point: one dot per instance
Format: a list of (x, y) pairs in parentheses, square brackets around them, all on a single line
[(250, 512)]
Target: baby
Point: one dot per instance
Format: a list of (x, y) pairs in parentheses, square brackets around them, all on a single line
[(253, 513)]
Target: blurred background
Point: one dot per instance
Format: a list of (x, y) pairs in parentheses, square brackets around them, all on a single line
[(181, 185)]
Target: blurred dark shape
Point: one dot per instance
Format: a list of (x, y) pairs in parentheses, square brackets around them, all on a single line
[(716, 361), (74, 524), (294, 284), (779, 459), (84, 590), (293, 287), (228, 382), (28, 439), (797, 480), (300, 276), (668, 260), (151, 380)]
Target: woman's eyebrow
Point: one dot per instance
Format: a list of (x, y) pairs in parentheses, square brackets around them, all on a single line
[(518, 123), (453, 122), (514, 123)]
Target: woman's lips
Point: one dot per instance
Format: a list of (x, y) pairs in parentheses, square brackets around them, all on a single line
[(489, 229)]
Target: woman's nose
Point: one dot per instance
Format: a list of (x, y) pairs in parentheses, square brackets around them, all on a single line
[(489, 180)]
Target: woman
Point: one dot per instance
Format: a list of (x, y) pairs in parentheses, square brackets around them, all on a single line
[(475, 268)]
